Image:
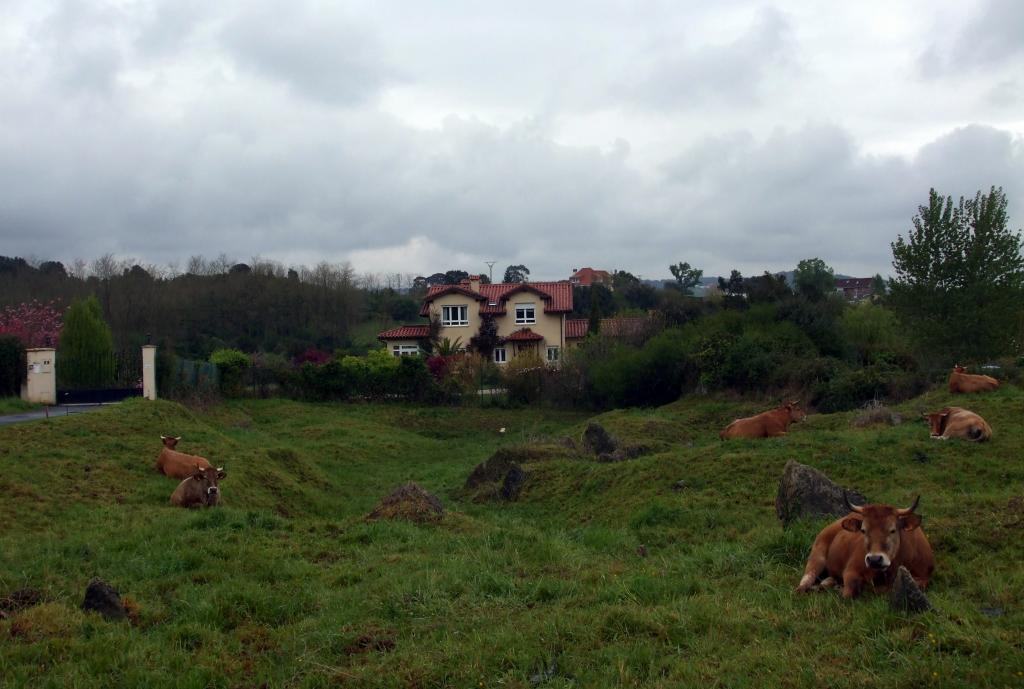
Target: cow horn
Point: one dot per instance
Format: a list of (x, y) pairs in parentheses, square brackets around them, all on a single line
[(853, 508), (910, 510)]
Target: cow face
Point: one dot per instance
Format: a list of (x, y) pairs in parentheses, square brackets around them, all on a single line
[(169, 441), (959, 369), (208, 479), (937, 422), (796, 412), (881, 527)]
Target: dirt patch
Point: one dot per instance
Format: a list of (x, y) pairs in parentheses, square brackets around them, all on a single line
[(877, 414), (409, 503), (375, 641), (18, 600)]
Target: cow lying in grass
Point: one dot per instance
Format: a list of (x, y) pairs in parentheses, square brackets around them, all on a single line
[(769, 424), (954, 422), (176, 464), (869, 546), (960, 381), (200, 489)]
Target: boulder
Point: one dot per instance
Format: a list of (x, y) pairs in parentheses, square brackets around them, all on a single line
[(513, 483), (807, 493), (491, 470), (597, 440), (103, 598), (906, 595), (409, 503)]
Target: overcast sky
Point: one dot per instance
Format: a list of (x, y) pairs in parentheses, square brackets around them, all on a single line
[(423, 136)]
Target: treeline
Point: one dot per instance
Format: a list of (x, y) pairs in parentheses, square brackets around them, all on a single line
[(259, 306)]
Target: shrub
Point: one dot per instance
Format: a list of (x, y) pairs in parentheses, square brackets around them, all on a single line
[(853, 388), (34, 323), (524, 377), (232, 364), (86, 349), (12, 366)]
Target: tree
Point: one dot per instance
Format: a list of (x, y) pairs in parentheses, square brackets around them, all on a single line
[(878, 286), (486, 338), (767, 288), (516, 273), (454, 277), (686, 277), (86, 348), (814, 279), (960, 277)]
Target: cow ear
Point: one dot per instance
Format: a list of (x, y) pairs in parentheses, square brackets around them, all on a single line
[(910, 522), (221, 473), (852, 524)]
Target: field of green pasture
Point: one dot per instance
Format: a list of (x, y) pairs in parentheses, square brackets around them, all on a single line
[(670, 570)]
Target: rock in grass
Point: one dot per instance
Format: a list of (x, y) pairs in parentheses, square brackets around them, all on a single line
[(491, 470), (103, 598), (597, 440), (408, 503), (806, 492), (19, 600), (905, 595), (513, 483)]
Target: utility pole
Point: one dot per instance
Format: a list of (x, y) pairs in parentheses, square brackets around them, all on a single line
[(490, 270)]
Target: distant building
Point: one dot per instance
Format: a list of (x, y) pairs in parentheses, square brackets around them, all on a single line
[(585, 277), (854, 289)]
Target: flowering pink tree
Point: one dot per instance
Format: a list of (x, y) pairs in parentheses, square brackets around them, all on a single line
[(34, 323)]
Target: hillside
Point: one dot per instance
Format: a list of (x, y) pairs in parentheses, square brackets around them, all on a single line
[(599, 575)]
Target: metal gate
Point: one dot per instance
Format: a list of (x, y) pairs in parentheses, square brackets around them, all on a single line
[(96, 379)]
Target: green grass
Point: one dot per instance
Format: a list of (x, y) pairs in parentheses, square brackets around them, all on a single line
[(280, 584), (15, 405)]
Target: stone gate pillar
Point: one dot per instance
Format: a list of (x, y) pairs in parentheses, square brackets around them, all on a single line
[(149, 372), (40, 386)]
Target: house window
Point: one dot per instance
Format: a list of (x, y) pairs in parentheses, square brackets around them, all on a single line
[(526, 314), (553, 353), (500, 355), (405, 350), (455, 315)]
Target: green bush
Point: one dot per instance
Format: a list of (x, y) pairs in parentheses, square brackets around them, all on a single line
[(85, 352), (855, 387), (12, 366), (233, 365)]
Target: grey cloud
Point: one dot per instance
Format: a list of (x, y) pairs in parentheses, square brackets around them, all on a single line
[(993, 38), (316, 50), (732, 73)]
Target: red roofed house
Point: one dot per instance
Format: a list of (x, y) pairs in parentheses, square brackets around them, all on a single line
[(854, 289), (531, 317), (585, 277)]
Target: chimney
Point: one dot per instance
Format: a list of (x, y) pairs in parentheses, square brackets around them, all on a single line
[(474, 283)]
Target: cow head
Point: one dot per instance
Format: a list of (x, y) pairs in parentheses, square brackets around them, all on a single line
[(796, 412), (959, 369), (882, 527), (208, 479), (937, 421), (169, 441)]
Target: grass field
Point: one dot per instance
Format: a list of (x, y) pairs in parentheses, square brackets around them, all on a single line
[(287, 585), (15, 405)]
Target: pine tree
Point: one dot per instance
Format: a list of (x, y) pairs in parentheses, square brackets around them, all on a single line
[(85, 353)]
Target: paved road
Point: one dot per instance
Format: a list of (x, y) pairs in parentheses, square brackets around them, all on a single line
[(54, 412)]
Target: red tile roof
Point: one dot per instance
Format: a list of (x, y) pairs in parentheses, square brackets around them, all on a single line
[(576, 327), (557, 296), (588, 276), (406, 332), (524, 335)]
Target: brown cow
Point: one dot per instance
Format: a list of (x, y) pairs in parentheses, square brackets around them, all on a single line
[(769, 424), (962, 381), (200, 489), (869, 545), (955, 422), (176, 464)]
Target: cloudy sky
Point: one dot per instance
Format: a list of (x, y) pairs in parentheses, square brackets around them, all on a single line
[(413, 136)]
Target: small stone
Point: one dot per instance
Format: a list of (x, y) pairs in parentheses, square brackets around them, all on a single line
[(678, 486), (991, 612), (513, 483), (906, 595), (103, 598), (597, 440)]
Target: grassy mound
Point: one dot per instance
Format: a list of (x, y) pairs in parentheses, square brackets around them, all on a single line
[(668, 570)]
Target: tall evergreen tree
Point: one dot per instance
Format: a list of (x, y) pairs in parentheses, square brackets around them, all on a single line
[(85, 352)]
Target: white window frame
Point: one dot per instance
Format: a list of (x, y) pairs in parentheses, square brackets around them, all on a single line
[(405, 350), (557, 351), (529, 316), (455, 315), (500, 355)]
